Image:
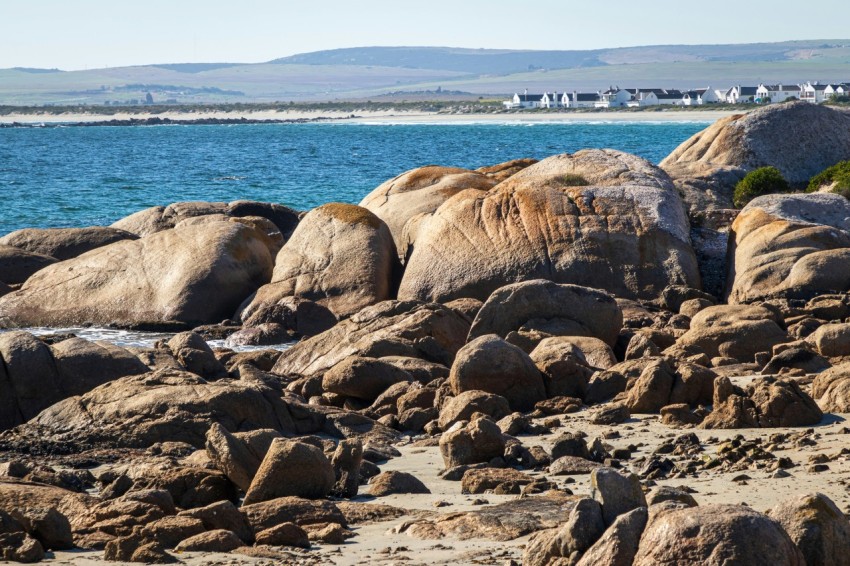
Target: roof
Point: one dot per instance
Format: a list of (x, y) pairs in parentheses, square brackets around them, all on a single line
[(584, 97), (747, 90), (530, 97)]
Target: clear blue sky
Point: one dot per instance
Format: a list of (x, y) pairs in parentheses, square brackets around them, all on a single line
[(77, 34)]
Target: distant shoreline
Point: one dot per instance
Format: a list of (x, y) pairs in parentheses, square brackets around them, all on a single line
[(362, 117)]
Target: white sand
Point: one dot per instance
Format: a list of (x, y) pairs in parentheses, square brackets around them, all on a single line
[(388, 116)]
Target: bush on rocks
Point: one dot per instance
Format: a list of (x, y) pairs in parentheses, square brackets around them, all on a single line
[(762, 181)]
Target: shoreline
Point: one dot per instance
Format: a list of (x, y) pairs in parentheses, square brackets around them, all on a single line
[(365, 117)]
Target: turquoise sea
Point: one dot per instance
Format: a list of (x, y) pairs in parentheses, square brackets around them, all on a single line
[(82, 176)]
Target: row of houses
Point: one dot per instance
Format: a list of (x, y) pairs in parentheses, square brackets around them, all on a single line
[(616, 97)]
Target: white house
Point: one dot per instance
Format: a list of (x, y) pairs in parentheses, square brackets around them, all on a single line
[(776, 93), (741, 94), (656, 96), (581, 99), (836, 90), (700, 96), (814, 93), (551, 100), (614, 97), (524, 100)]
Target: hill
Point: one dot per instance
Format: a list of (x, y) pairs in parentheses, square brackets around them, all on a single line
[(368, 72)]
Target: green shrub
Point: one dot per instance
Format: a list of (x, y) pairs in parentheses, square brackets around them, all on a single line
[(573, 180), (838, 174), (762, 181)]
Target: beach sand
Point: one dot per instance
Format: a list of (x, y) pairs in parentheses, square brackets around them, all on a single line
[(388, 116)]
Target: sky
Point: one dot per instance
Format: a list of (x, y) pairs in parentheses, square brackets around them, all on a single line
[(81, 34)]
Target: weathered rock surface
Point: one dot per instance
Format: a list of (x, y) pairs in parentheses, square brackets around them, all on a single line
[(291, 468), (388, 483), (707, 166), (583, 528), (532, 226), (463, 406), (196, 356), (363, 378), (159, 218), (64, 243), (392, 328), (831, 339), (166, 405), (490, 364), (818, 528), (568, 310), (191, 275), (17, 265), (831, 389), (713, 535), (766, 402), (617, 493), (791, 246), (405, 201), (734, 331), (479, 441), (563, 366), (502, 522), (619, 544), (341, 257)]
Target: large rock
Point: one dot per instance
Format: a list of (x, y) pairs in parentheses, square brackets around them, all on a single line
[(490, 364), (405, 201), (392, 328), (626, 232), (341, 257), (542, 305), (159, 218), (617, 493), (831, 389), (231, 456), (291, 468), (831, 339), (734, 331), (582, 528), (766, 402), (564, 369), (64, 243), (18, 265), (790, 136), (715, 535), (479, 441), (619, 544), (84, 365), (363, 378), (195, 355), (818, 528), (463, 406), (192, 274), (163, 406), (792, 246)]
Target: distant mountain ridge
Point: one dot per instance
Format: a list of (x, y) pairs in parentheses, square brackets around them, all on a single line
[(505, 61), (365, 72)]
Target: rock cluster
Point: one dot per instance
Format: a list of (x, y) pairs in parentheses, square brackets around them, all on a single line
[(455, 319)]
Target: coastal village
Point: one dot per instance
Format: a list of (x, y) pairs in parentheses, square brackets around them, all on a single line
[(616, 97)]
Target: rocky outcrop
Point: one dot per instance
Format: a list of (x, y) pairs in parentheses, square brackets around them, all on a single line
[(790, 246), (789, 136), (535, 225), (715, 535), (341, 257), (550, 309), (165, 406), (64, 243), (479, 441), (404, 202), (392, 328), (159, 218), (190, 275)]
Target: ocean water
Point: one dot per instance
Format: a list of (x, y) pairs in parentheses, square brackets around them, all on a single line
[(83, 176)]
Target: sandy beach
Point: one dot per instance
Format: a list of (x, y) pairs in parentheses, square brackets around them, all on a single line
[(380, 116)]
